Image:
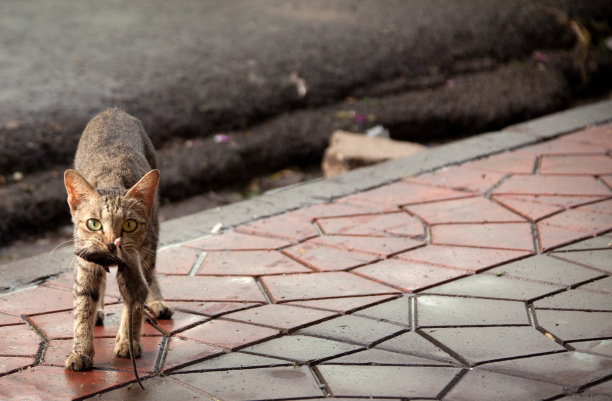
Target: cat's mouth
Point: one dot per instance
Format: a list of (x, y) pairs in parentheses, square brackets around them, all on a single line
[(103, 259)]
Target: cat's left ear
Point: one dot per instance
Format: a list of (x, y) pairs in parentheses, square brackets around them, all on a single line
[(144, 190)]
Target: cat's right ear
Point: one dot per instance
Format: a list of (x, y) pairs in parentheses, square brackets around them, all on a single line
[(78, 188)]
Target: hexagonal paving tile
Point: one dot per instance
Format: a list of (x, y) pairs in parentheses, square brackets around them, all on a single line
[(382, 225), (211, 288), (325, 258), (300, 348), (512, 236), (248, 263), (228, 335), (280, 316), (465, 177), (571, 325), (19, 340), (233, 240), (353, 329), (552, 185)]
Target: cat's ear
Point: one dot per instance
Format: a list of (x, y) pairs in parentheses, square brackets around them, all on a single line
[(78, 188), (144, 190)]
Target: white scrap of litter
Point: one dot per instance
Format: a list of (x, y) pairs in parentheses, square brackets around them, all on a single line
[(378, 131), (300, 84), (217, 228)]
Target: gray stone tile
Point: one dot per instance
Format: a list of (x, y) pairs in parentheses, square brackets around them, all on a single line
[(601, 259), (394, 311), (481, 344), (545, 268), (355, 329), (568, 369), (575, 325), (600, 347), (591, 243), (375, 356), (578, 299), (300, 348), (234, 360), (603, 285), (254, 384), (480, 385), (387, 381), (439, 311), (414, 344), (156, 389), (492, 286)]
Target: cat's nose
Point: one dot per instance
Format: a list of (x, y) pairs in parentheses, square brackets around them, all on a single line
[(111, 247)]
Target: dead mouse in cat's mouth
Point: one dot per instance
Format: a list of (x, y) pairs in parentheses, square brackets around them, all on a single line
[(102, 259)]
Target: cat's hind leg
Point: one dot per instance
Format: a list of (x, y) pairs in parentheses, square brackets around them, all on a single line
[(100, 306), (161, 309)]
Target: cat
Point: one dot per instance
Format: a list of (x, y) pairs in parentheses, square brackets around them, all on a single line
[(112, 195)]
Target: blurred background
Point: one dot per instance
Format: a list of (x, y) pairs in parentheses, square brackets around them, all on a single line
[(241, 96)]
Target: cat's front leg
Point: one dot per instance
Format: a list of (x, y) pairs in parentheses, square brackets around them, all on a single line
[(122, 345), (86, 296)]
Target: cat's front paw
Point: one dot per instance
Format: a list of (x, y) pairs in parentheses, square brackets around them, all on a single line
[(77, 361), (122, 349), (99, 317), (161, 309)]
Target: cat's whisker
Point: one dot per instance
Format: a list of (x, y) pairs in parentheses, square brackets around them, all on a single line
[(61, 244)]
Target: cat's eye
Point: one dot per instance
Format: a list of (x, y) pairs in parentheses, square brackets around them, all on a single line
[(129, 226), (94, 224)]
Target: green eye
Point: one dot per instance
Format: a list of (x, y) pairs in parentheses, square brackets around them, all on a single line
[(129, 226), (94, 224)]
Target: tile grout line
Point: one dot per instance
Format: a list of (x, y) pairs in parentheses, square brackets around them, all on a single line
[(318, 377), (263, 289), (198, 262), (535, 235)]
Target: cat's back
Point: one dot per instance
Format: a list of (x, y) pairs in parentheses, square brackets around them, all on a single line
[(114, 150)]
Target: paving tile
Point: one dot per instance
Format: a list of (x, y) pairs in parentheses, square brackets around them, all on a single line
[(591, 243), (607, 179), (600, 347), (545, 268), (551, 237), (461, 257), (396, 311), (482, 344), (176, 260), (570, 325), (387, 381), (295, 287), (211, 288), (390, 197), (568, 369), (598, 135), (407, 276), (235, 241), (280, 316), (343, 305), (599, 259), (381, 225), (576, 165), (9, 363), (291, 226), (228, 335), (563, 146), (467, 210), (464, 177), (325, 258), (57, 383), (251, 384), (353, 329), (491, 286), (552, 185), (19, 340), (180, 321), (532, 211), (157, 389), (604, 206), (581, 220), (412, 343), (6, 320), (182, 351), (249, 263), (440, 311), (211, 309), (577, 299), (105, 358), (300, 348), (603, 285), (380, 246), (235, 360), (480, 385), (507, 162), (27, 302), (562, 201), (374, 356), (334, 210), (512, 236)]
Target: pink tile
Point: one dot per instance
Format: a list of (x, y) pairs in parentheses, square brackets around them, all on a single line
[(249, 263), (373, 225), (408, 276), (513, 236), (462, 177), (176, 260), (598, 207), (344, 305), (291, 226), (295, 287), (28, 302), (563, 146), (182, 351), (326, 258), (560, 201), (334, 210), (581, 220), (381, 246), (553, 236), (461, 257), (9, 363), (576, 165), (180, 321), (229, 335), (508, 162), (468, 210), (211, 309), (598, 135), (19, 340), (237, 241), (280, 316), (9, 319), (530, 210), (390, 197), (211, 288), (607, 179), (552, 185)]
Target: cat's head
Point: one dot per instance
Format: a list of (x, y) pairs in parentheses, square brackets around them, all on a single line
[(109, 222)]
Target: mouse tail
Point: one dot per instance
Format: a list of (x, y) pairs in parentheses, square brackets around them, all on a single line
[(130, 333)]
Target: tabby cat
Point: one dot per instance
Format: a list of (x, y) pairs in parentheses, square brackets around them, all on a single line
[(113, 202)]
